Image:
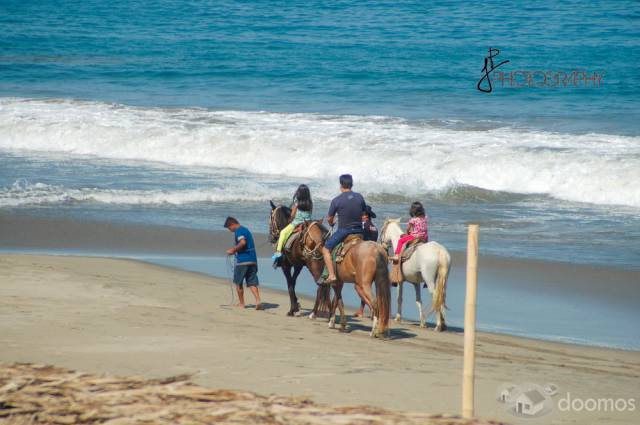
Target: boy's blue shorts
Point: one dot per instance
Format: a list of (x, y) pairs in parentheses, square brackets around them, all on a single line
[(246, 272)]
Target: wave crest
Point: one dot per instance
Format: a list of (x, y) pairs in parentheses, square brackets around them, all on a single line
[(385, 154)]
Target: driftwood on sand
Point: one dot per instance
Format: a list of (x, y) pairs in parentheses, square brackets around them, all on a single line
[(37, 394)]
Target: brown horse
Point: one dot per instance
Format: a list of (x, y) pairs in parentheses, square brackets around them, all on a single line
[(305, 252), (365, 263)]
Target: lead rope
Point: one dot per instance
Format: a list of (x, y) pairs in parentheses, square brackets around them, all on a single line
[(230, 263)]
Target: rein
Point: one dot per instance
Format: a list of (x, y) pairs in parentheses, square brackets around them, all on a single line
[(383, 234), (313, 254), (385, 245)]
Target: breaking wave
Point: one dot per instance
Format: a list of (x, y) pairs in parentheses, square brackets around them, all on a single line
[(385, 154)]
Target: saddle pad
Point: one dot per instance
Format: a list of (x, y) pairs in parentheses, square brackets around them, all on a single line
[(409, 250), (292, 239), (352, 238)]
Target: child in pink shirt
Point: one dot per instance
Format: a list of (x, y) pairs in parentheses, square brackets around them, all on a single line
[(416, 229)]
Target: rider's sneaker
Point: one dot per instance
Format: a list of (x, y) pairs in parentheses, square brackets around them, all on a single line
[(276, 259)]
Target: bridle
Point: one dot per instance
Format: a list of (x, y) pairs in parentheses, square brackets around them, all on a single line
[(274, 231), (314, 253), (383, 235), (383, 239)]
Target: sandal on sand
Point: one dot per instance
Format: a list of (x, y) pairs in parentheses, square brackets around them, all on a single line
[(259, 307)]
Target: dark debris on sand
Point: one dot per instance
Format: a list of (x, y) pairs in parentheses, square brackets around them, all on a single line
[(37, 394)]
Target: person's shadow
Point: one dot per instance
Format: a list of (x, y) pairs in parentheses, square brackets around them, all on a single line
[(269, 306)]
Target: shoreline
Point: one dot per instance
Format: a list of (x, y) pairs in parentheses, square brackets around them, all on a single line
[(126, 317), (543, 301), (30, 233)]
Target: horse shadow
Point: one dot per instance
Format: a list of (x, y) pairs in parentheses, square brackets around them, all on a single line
[(432, 325), (393, 334)]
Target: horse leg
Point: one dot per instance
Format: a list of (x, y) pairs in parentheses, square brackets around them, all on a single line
[(399, 312), (440, 325), (423, 320), (337, 290), (368, 298), (343, 317), (291, 286), (296, 271), (362, 300)]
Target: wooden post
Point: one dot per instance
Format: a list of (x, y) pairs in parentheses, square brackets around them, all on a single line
[(470, 323)]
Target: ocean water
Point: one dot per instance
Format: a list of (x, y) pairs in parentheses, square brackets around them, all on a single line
[(182, 113)]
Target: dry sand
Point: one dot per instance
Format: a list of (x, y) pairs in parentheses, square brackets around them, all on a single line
[(130, 318)]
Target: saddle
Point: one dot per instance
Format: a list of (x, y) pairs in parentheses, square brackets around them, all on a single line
[(293, 238), (396, 275), (342, 249), (410, 248)]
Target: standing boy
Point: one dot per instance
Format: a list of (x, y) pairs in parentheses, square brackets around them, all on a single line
[(246, 268)]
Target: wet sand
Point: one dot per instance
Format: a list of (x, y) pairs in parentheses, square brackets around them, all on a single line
[(131, 318)]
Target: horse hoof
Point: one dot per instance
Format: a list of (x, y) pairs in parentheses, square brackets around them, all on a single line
[(398, 319), (423, 325), (311, 316), (290, 313), (441, 328), (332, 325)]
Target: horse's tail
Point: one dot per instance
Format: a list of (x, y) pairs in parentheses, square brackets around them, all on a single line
[(440, 294), (323, 300), (383, 290)]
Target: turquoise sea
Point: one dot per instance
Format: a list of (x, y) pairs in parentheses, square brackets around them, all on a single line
[(181, 112)]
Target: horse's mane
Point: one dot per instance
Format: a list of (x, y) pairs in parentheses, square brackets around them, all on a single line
[(284, 210), (322, 228)]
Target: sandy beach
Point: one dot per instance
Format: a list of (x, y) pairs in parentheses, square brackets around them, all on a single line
[(131, 318)]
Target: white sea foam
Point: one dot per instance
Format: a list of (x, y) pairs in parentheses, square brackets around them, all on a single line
[(384, 154), (25, 193)]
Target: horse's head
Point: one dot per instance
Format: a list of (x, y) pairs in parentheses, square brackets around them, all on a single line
[(390, 227), (279, 219)]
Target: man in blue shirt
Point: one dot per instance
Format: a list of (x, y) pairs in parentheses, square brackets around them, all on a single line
[(351, 210), (246, 268)]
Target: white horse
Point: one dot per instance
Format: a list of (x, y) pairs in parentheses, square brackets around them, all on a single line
[(430, 263)]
